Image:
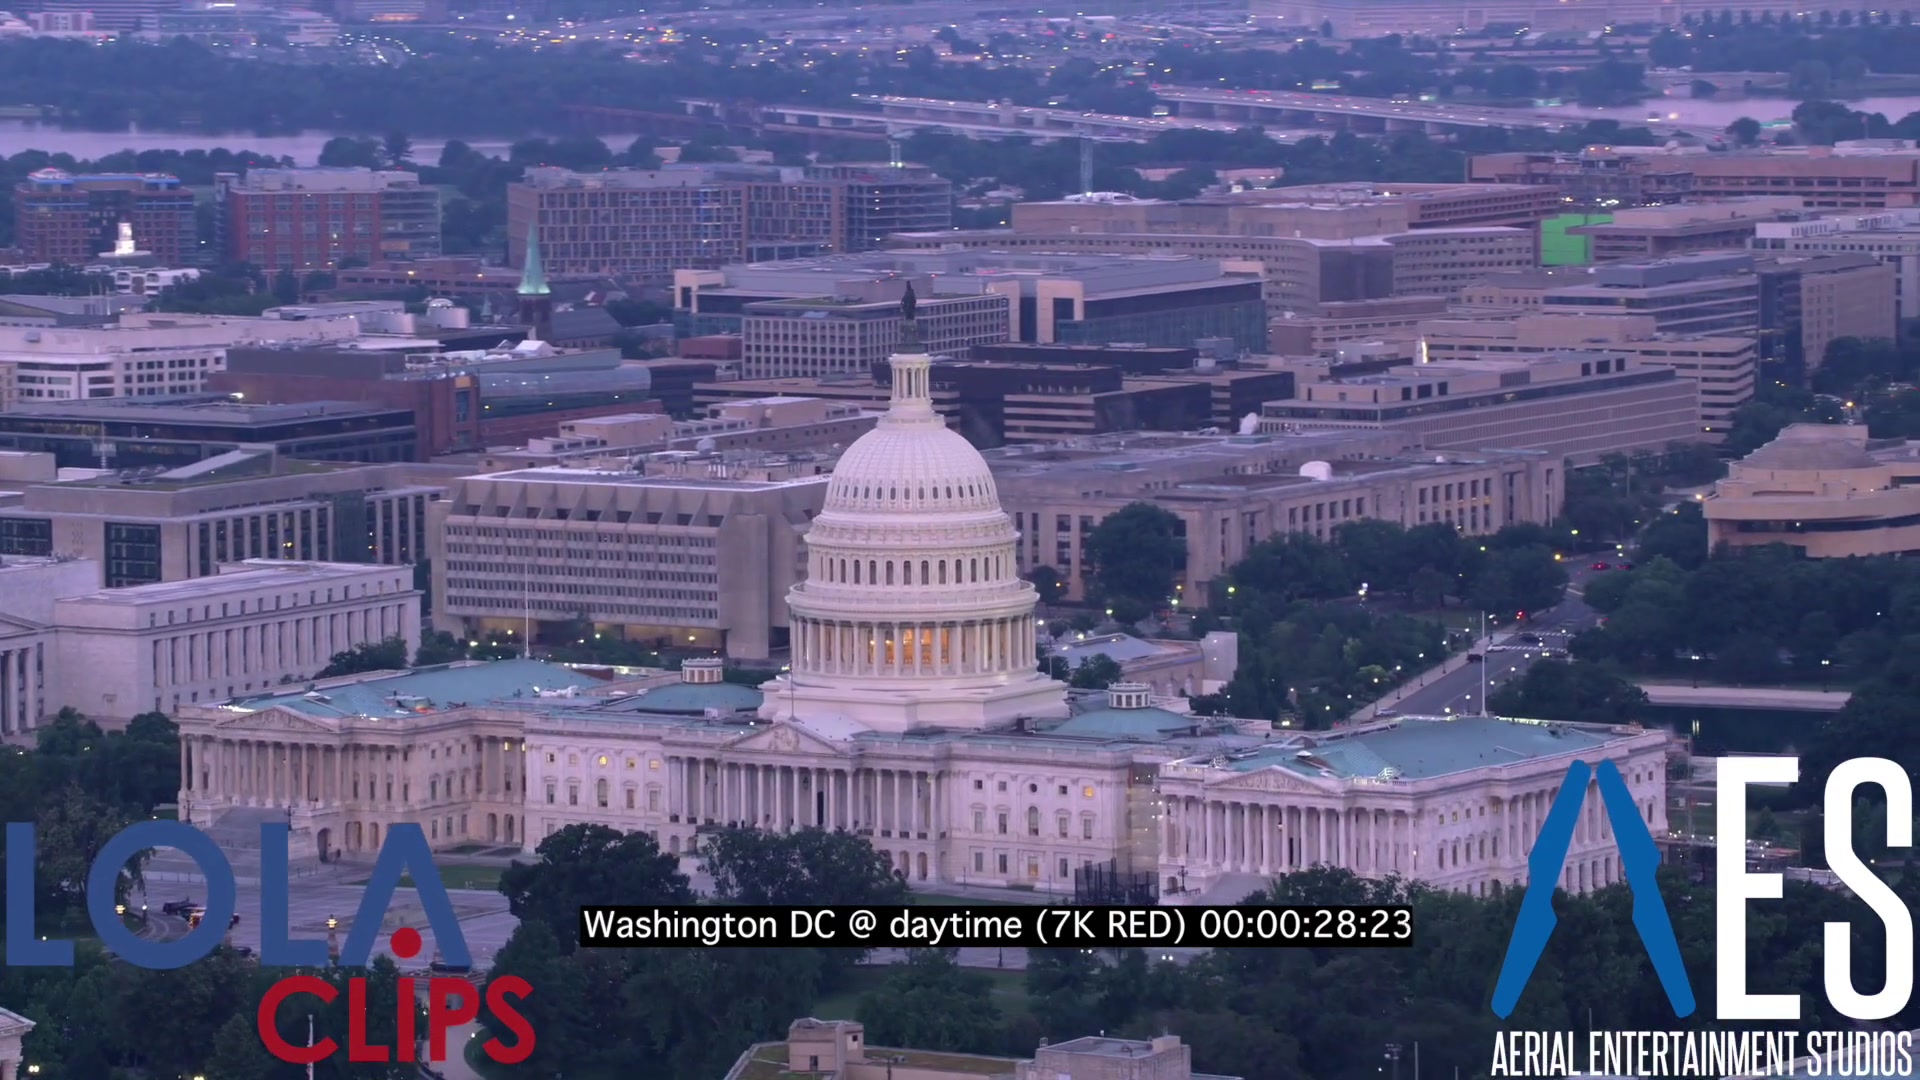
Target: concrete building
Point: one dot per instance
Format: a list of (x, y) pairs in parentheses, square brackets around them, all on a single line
[(769, 425), (1891, 237), (1043, 298), (838, 1048), (1686, 294), (29, 683), (176, 434), (171, 526), (1724, 366), (140, 355), (1824, 490), (1866, 175), (653, 222), (911, 713), (315, 219), (1230, 492), (1578, 407), (1297, 334), (1316, 245), (1658, 232), (13, 1030), (252, 626), (461, 400), (647, 549), (59, 217)]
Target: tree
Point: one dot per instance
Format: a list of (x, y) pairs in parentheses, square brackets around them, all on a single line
[(1136, 553), (1096, 672), (1046, 582), (286, 287), (810, 866), (586, 864), (239, 1055), (1527, 579), (438, 647), (397, 150), (389, 654), (1576, 692), (343, 152), (932, 1003)]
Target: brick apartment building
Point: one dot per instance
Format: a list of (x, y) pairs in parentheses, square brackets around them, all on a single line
[(314, 219), (63, 218), (651, 222)]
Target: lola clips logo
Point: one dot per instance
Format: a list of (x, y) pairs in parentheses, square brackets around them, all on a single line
[(451, 1002), (1734, 887)]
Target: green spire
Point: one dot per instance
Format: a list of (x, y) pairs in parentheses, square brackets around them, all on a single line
[(533, 276)]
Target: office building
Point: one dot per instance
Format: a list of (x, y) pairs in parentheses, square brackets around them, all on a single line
[(1315, 245), (771, 425), (645, 550), (1657, 232), (1578, 406), (29, 670), (1867, 175), (1687, 294), (185, 523), (1041, 298), (252, 626), (179, 432), (1890, 237), (460, 400), (59, 217), (1298, 334), (912, 713), (1824, 490), (1725, 366), (139, 355), (315, 219), (649, 223), (838, 1048), (1230, 492)]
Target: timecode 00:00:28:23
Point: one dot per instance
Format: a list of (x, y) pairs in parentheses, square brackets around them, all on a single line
[(1369, 925)]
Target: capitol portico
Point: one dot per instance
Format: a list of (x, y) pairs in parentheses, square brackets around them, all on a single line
[(913, 715)]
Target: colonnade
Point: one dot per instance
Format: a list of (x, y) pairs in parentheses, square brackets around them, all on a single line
[(891, 802), (914, 649)]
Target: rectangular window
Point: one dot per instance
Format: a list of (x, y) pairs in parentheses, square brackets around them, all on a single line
[(1003, 824), (1086, 828)]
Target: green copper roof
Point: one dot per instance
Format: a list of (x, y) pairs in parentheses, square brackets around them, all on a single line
[(1149, 724), (429, 690), (533, 276), (1419, 748), (685, 697)]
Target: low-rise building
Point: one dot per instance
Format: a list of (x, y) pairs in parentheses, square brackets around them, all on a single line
[(1578, 407), (316, 218), (1890, 237), (1658, 232), (645, 551), (1230, 492), (1870, 174), (838, 1048), (163, 434), (141, 355), (252, 626), (759, 425), (1724, 366), (1824, 490), (250, 504)]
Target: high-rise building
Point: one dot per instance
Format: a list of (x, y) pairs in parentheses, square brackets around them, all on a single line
[(63, 218), (314, 219), (651, 222)]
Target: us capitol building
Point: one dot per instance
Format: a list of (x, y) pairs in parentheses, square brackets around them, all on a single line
[(912, 714)]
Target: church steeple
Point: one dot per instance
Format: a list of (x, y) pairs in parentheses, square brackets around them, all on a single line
[(533, 273), (536, 298)]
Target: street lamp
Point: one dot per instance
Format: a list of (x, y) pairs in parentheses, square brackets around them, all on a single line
[(1393, 1058), (333, 939)]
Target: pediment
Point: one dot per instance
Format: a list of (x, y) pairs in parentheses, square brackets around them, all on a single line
[(275, 720), (1272, 778), (786, 737)]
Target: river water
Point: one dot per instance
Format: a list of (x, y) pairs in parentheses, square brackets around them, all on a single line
[(1682, 109)]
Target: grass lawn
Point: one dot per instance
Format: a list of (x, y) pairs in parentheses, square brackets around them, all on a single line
[(929, 899), (459, 876), (1009, 992)]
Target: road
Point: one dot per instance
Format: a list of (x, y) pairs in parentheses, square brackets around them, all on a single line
[(1459, 691)]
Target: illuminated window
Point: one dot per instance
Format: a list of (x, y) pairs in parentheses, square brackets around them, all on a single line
[(1087, 791)]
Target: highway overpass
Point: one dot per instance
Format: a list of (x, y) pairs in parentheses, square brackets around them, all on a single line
[(1276, 108)]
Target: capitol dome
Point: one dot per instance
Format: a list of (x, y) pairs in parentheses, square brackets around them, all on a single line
[(913, 612)]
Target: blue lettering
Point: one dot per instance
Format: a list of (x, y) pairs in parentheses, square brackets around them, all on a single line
[(405, 853)]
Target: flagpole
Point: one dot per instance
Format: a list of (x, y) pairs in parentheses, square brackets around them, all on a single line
[(309, 1044)]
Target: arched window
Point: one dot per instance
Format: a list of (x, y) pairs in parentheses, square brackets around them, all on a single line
[(873, 572), (856, 572), (925, 578), (943, 571), (889, 571), (433, 790), (1033, 821), (600, 793)]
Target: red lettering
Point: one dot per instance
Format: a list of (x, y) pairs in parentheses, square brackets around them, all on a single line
[(450, 1004), (357, 1048), (267, 1019), (501, 995), (409, 1008)]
